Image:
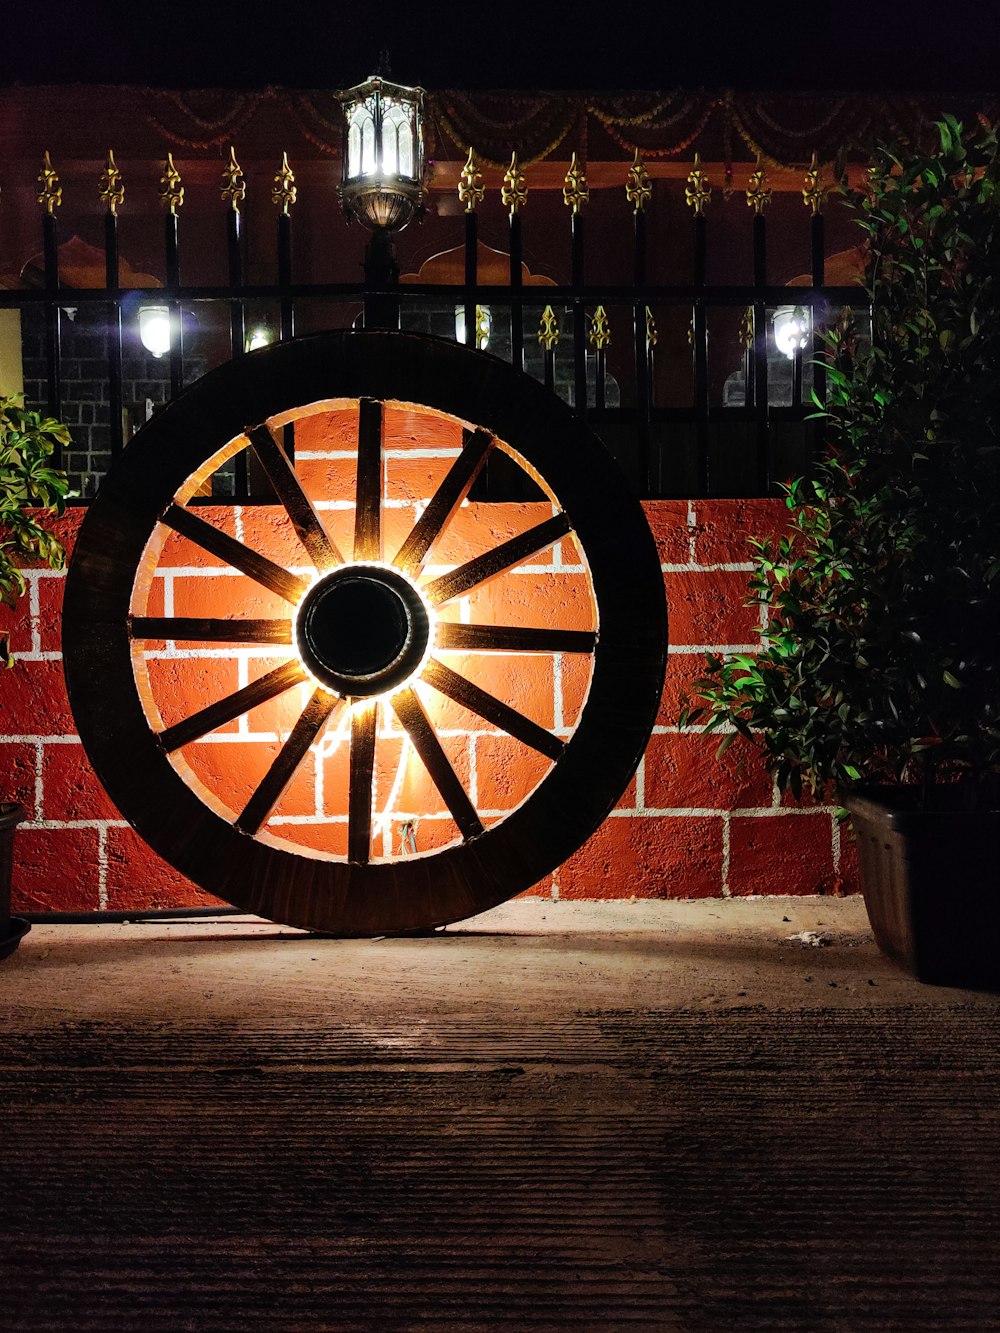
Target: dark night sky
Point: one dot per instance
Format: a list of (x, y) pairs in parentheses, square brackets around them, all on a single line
[(615, 44)]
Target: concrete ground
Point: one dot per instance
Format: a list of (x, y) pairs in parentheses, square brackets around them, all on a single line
[(528, 956), (715, 1114)]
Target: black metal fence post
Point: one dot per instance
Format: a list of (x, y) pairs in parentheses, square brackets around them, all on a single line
[(112, 193), (575, 196), (172, 199), (514, 195), (638, 192), (813, 195), (697, 193), (758, 198), (233, 189), (50, 198)]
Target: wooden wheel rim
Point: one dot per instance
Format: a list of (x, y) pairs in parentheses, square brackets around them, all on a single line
[(309, 890)]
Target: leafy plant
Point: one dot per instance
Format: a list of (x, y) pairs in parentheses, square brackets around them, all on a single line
[(27, 481), (880, 649)]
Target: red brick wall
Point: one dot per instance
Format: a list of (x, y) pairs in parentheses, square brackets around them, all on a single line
[(688, 825)]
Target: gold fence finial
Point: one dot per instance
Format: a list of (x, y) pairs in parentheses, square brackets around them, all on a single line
[(171, 189), (652, 334), (233, 185), (697, 191), (50, 194), (548, 330), (638, 189), (575, 192), (111, 185), (747, 329), (758, 190), (514, 192), (471, 190), (285, 191), (813, 191), (600, 329)]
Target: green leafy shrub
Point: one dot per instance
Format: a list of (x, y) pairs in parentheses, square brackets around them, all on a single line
[(880, 651), (27, 481)]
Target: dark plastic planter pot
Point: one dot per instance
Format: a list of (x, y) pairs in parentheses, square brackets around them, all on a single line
[(931, 881), (12, 928)]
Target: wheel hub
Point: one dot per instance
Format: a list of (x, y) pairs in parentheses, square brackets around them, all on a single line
[(362, 630)]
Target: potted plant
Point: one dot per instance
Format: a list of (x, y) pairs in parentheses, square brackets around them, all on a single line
[(28, 483), (879, 668)]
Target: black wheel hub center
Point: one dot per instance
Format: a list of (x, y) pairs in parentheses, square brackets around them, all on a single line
[(361, 630)]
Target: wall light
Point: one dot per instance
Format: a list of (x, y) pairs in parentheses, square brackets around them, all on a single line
[(484, 326), (154, 329), (791, 329), (261, 336)]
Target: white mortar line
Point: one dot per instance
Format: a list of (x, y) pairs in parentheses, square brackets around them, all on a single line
[(39, 792), (726, 892), (692, 521), (729, 567), (74, 823), (102, 866), (34, 611)]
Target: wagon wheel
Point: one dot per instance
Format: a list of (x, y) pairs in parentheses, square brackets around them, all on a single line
[(367, 632)]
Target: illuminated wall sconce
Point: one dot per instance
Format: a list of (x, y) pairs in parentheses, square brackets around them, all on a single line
[(792, 326), (261, 336), (484, 326), (154, 329)]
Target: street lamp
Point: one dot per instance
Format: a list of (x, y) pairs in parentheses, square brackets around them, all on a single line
[(383, 176)]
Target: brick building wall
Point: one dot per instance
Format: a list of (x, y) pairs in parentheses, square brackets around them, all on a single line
[(688, 825)]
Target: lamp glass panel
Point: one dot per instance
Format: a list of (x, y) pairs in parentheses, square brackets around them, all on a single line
[(354, 147), (367, 143), (397, 141)]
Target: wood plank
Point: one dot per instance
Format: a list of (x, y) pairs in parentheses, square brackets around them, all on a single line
[(194, 629), (368, 496), (241, 557), (445, 500), (232, 706), (505, 556), (512, 639), (494, 710), (274, 783), (364, 729), (409, 710), (299, 508)]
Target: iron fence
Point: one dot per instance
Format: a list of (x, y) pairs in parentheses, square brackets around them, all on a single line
[(759, 434)]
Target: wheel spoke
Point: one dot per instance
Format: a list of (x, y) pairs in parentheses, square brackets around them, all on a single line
[(483, 567), (364, 729), (241, 557), (232, 706), (282, 476), (487, 706), (445, 500), (409, 710), (192, 629), (286, 763), (368, 497), (512, 639)]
